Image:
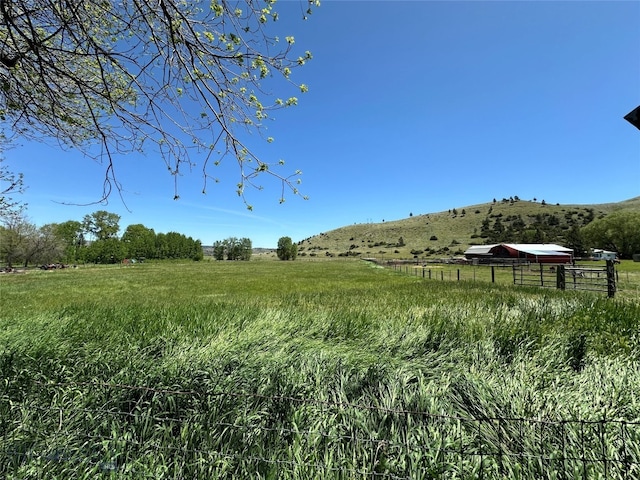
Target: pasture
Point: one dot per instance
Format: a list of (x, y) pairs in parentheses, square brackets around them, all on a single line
[(301, 370)]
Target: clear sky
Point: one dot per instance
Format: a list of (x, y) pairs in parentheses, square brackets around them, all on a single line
[(413, 107)]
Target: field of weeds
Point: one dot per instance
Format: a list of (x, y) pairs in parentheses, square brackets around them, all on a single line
[(307, 370)]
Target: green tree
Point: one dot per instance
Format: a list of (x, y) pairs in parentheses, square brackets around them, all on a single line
[(139, 241), (108, 250), (43, 246), (197, 252), (22, 242), (102, 224), (497, 234), (162, 247), (619, 231), (575, 241), (239, 249), (14, 236), (485, 228), (175, 245), (518, 223), (233, 248), (246, 249), (71, 235), (185, 76), (287, 250), (218, 250)]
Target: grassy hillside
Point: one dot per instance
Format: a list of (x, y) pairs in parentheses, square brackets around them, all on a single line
[(452, 232)]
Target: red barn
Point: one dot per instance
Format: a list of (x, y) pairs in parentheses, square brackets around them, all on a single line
[(531, 252)]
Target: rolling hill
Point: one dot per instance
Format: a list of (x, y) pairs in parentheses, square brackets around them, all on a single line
[(450, 233)]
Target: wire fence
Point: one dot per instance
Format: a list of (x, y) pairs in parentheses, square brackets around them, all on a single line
[(603, 279), (100, 430)]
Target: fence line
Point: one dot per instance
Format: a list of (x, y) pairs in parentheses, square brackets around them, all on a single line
[(127, 431), (433, 271), (563, 277)]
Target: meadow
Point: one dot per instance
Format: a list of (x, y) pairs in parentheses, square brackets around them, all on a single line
[(312, 370)]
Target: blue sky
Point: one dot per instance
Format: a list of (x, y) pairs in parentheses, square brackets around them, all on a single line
[(413, 107)]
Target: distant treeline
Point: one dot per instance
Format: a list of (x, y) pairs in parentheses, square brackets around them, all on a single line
[(94, 240)]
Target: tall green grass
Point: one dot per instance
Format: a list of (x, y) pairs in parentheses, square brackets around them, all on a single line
[(311, 370)]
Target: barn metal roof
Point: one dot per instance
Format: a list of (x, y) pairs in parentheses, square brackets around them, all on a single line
[(540, 247), (541, 253), (479, 249)]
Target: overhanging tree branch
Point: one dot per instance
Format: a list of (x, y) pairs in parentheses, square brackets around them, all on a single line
[(181, 78)]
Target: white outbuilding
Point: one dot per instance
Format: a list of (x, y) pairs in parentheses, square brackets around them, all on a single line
[(599, 254)]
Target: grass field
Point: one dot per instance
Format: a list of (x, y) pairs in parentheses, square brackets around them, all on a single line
[(332, 369)]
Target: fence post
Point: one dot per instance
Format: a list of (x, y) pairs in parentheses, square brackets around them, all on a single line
[(458, 274), (541, 274), (611, 279), (493, 274), (560, 278)]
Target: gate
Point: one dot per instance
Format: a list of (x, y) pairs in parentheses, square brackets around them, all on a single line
[(568, 277)]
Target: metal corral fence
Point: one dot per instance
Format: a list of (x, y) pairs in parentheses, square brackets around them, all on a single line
[(565, 277), (141, 432)]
